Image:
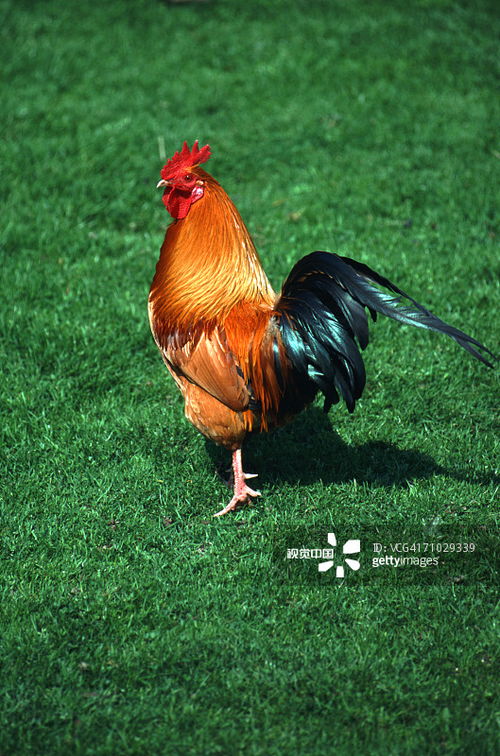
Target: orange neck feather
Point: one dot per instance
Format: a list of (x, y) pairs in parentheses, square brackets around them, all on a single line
[(208, 264)]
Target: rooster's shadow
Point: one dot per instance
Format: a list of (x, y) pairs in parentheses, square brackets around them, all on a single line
[(309, 450)]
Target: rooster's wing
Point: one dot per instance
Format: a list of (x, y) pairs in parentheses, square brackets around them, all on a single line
[(209, 364)]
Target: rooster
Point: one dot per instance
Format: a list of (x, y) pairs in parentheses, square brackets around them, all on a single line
[(245, 358)]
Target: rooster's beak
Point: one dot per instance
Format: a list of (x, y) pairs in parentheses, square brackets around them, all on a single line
[(163, 182)]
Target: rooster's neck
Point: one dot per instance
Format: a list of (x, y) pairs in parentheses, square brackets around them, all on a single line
[(208, 264)]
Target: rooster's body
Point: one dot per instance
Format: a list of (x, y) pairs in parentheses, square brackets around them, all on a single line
[(245, 358)]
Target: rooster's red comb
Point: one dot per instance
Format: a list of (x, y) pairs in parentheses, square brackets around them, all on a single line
[(185, 159)]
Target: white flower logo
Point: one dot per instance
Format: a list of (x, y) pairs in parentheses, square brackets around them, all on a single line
[(352, 546)]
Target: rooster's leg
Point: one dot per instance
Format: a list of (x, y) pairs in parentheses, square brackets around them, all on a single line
[(241, 491)]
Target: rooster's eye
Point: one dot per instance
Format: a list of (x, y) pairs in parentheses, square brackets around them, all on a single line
[(188, 177)]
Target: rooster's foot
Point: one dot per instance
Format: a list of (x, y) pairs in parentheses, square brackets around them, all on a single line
[(242, 492), (238, 499)]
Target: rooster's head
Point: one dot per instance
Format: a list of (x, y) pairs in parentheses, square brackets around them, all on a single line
[(181, 184)]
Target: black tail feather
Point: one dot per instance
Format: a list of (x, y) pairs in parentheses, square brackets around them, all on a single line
[(322, 316)]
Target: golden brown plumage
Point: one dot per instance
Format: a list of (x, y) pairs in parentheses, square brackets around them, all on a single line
[(210, 305), (244, 358)]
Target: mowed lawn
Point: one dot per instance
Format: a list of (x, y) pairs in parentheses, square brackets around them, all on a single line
[(132, 622)]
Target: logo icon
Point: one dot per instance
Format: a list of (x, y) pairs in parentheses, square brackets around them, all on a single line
[(352, 546)]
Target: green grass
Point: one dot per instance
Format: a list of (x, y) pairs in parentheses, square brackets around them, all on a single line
[(131, 621)]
